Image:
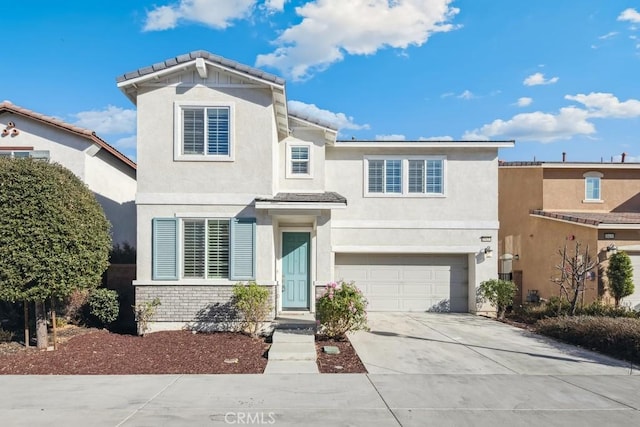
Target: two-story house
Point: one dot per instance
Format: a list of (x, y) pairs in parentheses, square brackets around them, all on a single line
[(107, 172), (547, 205), (233, 187)]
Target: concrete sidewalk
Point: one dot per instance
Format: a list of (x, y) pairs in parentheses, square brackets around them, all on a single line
[(320, 400)]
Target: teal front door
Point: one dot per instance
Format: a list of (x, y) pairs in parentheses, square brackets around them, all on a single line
[(295, 270)]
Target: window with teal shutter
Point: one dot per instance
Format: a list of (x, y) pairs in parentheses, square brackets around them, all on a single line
[(243, 249), (165, 249)]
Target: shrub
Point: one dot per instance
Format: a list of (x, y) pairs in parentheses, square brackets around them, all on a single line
[(597, 308), (252, 301), (342, 308), (5, 336), (74, 306), (617, 337), (103, 305), (498, 292), (144, 311)]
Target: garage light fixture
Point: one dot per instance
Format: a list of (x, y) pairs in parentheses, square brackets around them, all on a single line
[(612, 249), (488, 252)]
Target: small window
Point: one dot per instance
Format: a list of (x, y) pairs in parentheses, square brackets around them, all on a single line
[(592, 181), (33, 154), (203, 132), (206, 249), (300, 160)]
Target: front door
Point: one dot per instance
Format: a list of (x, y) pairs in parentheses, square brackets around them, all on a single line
[(295, 270)]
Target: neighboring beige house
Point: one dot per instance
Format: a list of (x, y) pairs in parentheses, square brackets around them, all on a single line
[(234, 187), (107, 172), (545, 205)]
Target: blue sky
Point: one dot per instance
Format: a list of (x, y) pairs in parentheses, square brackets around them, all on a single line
[(553, 75)]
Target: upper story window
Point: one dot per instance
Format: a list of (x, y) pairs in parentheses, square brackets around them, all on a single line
[(298, 160), (592, 186), (409, 176), (34, 154), (204, 132)]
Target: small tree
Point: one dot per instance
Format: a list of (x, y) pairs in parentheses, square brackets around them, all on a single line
[(500, 293), (54, 236), (574, 270), (252, 301), (620, 276)]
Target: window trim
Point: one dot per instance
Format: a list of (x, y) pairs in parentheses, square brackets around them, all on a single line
[(179, 107), (404, 177), (591, 175), (289, 160)]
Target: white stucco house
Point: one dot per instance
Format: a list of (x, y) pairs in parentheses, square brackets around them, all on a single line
[(234, 187), (108, 173)]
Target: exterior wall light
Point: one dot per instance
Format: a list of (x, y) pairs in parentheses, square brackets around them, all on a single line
[(612, 249), (488, 252)]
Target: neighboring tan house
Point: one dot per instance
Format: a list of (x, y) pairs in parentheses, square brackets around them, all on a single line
[(234, 187), (547, 205), (107, 172)]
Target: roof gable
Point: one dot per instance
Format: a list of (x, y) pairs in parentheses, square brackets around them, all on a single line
[(89, 135)]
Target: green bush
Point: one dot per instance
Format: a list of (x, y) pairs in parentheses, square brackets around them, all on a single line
[(252, 302), (498, 292), (342, 308), (597, 308), (144, 311), (618, 337), (620, 276), (103, 305), (5, 336)]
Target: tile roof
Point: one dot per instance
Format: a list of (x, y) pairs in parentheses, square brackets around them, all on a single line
[(592, 218), (326, 197), (7, 106), (180, 59)]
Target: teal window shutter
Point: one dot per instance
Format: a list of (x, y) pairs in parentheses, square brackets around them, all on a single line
[(165, 249), (243, 249)]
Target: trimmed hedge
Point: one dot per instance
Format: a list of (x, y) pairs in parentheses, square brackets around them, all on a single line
[(618, 337)]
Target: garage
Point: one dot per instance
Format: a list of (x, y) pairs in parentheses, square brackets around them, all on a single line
[(634, 300), (408, 282)]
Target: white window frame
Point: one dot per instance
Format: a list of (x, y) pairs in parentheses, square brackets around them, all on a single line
[(181, 250), (179, 107), (32, 154), (405, 177), (289, 161), (592, 175)]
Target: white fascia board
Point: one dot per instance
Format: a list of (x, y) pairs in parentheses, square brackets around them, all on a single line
[(408, 225), (408, 249), (424, 144), (298, 205)]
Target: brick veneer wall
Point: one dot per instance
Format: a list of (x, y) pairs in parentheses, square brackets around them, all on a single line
[(196, 305)]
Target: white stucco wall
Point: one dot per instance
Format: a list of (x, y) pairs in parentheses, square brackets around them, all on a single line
[(113, 183), (314, 139)]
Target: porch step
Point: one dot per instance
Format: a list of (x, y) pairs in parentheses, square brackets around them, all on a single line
[(293, 351), (295, 320), (291, 367)]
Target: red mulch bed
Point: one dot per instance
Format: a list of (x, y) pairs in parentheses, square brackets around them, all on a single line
[(347, 362), (100, 352)]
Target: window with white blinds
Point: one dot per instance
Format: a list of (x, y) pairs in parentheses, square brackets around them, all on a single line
[(205, 131), (205, 248), (411, 176)]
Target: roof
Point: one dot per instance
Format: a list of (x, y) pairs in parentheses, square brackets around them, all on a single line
[(594, 219), (326, 197), (356, 143), (313, 120), (191, 56), (570, 165), (8, 107)]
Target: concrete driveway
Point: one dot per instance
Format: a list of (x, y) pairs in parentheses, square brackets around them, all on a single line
[(437, 343)]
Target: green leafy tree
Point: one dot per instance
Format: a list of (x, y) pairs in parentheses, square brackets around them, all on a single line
[(54, 236), (500, 293), (620, 275)]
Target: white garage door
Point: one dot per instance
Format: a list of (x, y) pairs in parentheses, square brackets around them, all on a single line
[(408, 282), (634, 300)]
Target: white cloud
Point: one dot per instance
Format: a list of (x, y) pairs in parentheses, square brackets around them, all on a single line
[(126, 143), (524, 101), (392, 137), (607, 105), (537, 126), (608, 35), (340, 120), (435, 138), (467, 94), (627, 159), (111, 120), (630, 15), (539, 79), (213, 13), (331, 29), (275, 5), (447, 95)]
